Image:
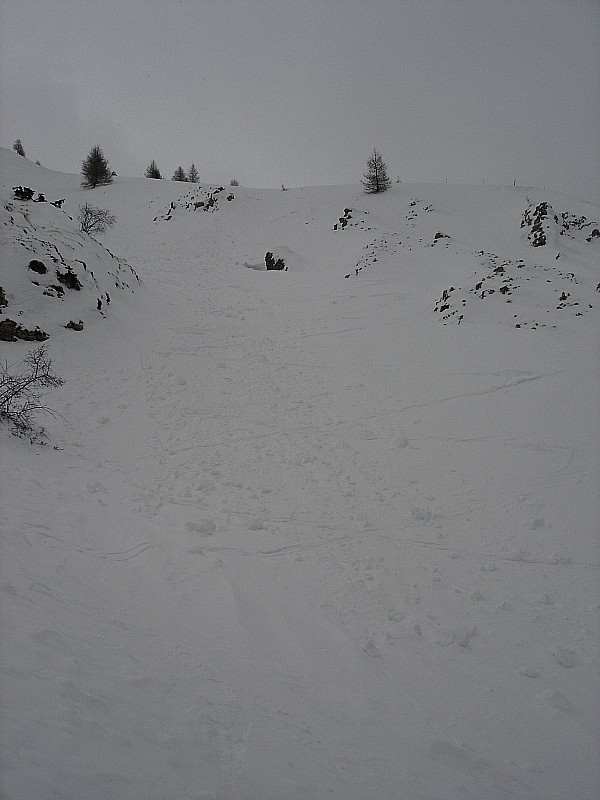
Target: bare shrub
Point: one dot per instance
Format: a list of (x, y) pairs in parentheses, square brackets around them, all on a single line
[(95, 220), (22, 389)]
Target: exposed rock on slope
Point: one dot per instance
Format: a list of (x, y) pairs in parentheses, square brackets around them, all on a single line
[(545, 225), (519, 294), (52, 271), (196, 199)]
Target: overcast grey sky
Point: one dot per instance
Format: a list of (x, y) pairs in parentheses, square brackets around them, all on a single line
[(300, 91)]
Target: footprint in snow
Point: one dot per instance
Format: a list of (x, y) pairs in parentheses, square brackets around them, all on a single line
[(256, 525), (205, 527), (372, 650), (566, 658), (529, 672)]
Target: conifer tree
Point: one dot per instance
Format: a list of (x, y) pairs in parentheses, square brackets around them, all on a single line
[(179, 175), (95, 169), (18, 148), (153, 171), (192, 175), (376, 178)]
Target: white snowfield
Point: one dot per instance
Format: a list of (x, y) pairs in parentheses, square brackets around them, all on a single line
[(323, 533)]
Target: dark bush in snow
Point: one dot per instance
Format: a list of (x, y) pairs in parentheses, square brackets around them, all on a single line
[(23, 192), (272, 264)]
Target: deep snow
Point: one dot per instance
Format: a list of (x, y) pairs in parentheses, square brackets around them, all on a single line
[(303, 535)]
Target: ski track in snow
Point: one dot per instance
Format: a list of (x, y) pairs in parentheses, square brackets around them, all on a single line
[(298, 538)]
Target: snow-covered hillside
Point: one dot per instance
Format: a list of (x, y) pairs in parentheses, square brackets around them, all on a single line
[(325, 532)]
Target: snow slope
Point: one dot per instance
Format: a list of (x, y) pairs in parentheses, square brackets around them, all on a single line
[(305, 534)]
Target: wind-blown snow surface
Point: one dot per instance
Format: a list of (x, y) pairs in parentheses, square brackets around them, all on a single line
[(298, 535)]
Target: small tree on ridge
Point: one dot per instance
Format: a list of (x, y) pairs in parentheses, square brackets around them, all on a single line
[(192, 175), (95, 169), (376, 179), (179, 175), (18, 148), (153, 171)]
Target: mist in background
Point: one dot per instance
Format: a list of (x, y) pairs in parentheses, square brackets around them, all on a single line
[(298, 92)]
